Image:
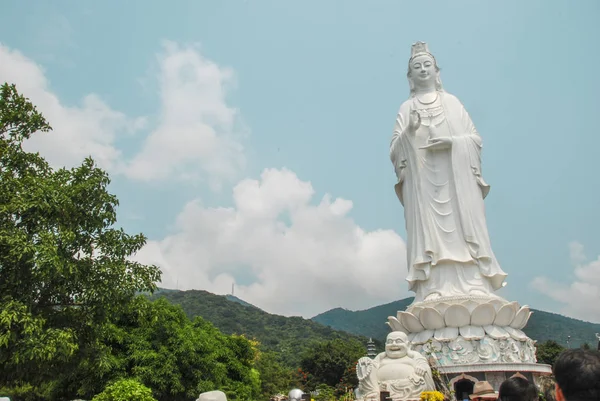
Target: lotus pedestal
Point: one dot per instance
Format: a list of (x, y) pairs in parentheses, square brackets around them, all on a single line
[(471, 338)]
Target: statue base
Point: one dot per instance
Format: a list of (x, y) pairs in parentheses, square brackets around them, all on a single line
[(461, 330), (462, 377)]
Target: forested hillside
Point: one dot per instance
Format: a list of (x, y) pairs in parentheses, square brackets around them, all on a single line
[(290, 337)]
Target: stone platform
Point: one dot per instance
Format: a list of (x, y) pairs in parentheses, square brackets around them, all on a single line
[(462, 377)]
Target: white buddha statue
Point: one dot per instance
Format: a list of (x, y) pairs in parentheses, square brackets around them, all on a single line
[(399, 370), (436, 153)]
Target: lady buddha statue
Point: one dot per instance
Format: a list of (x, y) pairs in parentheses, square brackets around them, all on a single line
[(436, 153)]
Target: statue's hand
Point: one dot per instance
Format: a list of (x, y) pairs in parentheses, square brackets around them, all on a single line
[(440, 143), (420, 371), (414, 121)]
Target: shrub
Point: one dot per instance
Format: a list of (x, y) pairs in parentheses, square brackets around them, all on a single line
[(125, 390)]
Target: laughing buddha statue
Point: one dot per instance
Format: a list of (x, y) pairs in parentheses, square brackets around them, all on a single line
[(399, 370)]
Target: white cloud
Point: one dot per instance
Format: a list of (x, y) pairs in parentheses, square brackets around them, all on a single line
[(197, 132), (79, 131), (197, 135), (303, 258), (581, 298)]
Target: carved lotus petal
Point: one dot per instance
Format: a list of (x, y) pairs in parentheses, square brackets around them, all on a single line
[(395, 324), (526, 320), (457, 316), (505, 314), (446, 334), (441, 307), (498, 303), (410, 322), (470, 305), (416, 311), (483, 315), (411, 336), (516, 333), (431, 319), (521, 318), (422, 337), (472, 332), (496, 332)]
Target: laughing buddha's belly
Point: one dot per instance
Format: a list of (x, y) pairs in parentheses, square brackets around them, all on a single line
[(395, 369)]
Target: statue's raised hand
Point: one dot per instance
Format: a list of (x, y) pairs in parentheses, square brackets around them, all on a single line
[(440, 143), (414, 121)]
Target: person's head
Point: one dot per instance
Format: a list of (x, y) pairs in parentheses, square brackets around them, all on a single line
[(423, 71), (518, 389), (577, 374), (396, 344), (483, 391)]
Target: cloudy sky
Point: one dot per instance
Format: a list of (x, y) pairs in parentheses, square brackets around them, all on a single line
[(249, 139)]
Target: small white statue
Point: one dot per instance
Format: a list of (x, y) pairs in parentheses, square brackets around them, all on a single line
[(436, 153), (215, 395), (399, 370), (295, 395)]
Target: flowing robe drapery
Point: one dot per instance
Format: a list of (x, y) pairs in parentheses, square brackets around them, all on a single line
[(442, 192)]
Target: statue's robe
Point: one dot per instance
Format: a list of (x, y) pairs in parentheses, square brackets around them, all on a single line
[(442, 192)]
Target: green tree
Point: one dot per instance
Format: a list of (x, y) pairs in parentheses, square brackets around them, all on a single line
[(275, 378), (548, 351), (125, 390), (332, 363), (155, 343), (325, 393), (64, 266)]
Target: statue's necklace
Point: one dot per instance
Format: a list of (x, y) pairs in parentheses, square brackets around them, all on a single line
[(427, 99)]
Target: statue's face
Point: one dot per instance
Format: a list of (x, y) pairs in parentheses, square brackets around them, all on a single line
[(422, 70), (395, 346)]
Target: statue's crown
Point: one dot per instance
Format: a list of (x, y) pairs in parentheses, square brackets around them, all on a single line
[(418, 49)]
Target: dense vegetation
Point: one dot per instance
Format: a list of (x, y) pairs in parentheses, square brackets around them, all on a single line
[(543, 326), (288, 337), (71, 324), (293, 350)]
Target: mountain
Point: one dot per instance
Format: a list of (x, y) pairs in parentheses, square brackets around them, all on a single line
[(542, 325), (288, 336), (368, 323), (233, 298)]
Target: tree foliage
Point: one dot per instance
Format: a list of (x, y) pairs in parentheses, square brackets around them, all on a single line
[(286, 337), (548, 351), (155, 343), (125, 390), (64, 267), (332, 363), (70, 323), (275, 378)]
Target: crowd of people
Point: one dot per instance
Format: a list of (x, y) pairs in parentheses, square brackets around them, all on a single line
[(577, 376)]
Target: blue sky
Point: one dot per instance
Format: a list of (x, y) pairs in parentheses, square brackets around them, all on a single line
[(297, 100)]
